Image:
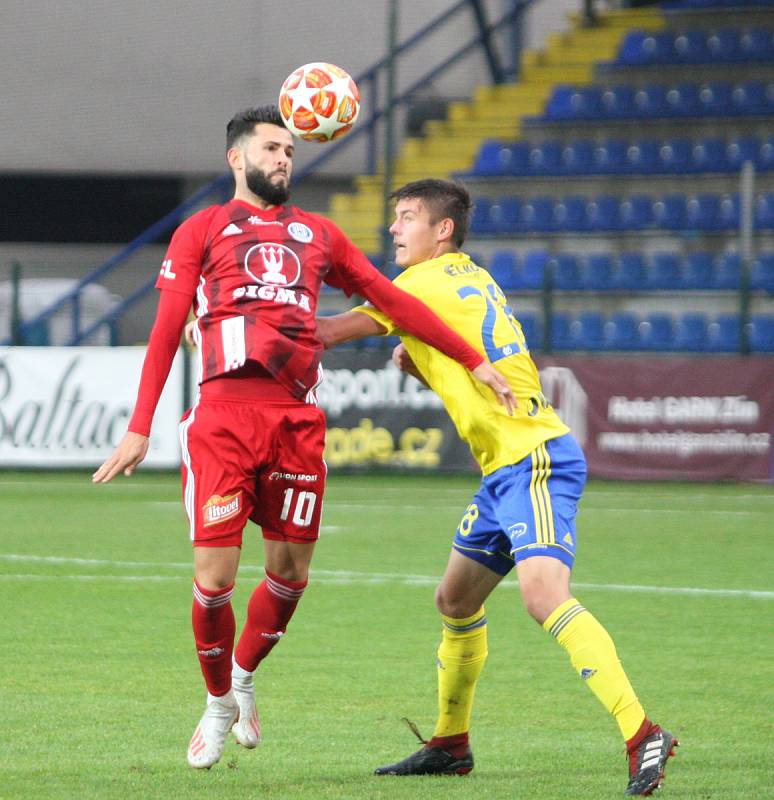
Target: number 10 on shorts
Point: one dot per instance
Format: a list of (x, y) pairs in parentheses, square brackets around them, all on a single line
[(303, 507)]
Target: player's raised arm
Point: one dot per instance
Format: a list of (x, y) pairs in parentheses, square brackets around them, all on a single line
[(347, 327), (163, 343)]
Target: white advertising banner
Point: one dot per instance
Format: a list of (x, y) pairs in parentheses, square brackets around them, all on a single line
[(69, 406)]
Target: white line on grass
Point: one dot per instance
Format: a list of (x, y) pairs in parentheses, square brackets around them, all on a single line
[(342, 577)]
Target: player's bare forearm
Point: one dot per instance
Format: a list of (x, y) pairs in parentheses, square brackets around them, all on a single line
[(131, 450), (346, 327)]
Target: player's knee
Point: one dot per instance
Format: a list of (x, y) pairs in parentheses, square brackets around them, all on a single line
[(454, 604)]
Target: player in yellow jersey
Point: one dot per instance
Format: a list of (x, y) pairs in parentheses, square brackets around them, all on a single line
[(524, 511)]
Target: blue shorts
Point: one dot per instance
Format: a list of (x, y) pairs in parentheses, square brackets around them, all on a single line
[(526, 509)]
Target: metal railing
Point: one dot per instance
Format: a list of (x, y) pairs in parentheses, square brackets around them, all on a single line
[(218, 190)]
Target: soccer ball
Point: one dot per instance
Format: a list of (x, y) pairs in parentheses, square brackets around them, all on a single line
[(319, 102)]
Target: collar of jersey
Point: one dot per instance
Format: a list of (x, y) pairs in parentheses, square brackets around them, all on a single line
[(433, 263), (263, 213)]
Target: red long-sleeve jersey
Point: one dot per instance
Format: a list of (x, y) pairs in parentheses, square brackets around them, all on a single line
[(254, 278)]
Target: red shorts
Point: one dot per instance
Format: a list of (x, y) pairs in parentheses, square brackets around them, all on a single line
[(252, 451)]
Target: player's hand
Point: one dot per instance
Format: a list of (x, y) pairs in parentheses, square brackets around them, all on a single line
[(487, 374), (188, 333), (130, 452), (404, 362)]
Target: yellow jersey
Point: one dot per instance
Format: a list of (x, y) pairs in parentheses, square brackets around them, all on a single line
[(468, 300)]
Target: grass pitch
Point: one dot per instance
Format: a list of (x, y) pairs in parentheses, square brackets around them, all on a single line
[(101, 690)]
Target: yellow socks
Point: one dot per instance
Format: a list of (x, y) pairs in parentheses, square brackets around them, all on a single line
[(461, 658), (593, 655)]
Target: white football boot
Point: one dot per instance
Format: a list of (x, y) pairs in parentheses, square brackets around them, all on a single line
[(247, 728), (209, 738)]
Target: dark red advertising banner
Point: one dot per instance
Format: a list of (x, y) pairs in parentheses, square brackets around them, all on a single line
[(668, 418)]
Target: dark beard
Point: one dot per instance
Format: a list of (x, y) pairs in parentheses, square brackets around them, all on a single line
[(275, 194)]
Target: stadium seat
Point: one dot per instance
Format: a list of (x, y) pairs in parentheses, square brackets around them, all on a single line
[(670, 212), (638, 47), (643, 156), (699, 271), (537, 214), (504, 214), (490, 159), (750, 98), (636, 212), (577, 157), (599, 272), (723, 334), (762, 333), (684, 100), (690, 47), (574, 102), (517, 162), (622, 331), (610, 157), (560, 331), (729, 211), (762, 272), (723, 45), (567, 272), (664, 273), (532, 330), (756, 44), (602, 213), (533, 269), (546, 158), (766, 154), (504, 268), (589, 331), (617, 102), (741, 149), (570, 214), (650, 101), (764, 211), (691, 333), (676, 155), (703, 212), (480, 221), (631, 274), (657, 332), (715, 99), (728, 269), (709, 155)]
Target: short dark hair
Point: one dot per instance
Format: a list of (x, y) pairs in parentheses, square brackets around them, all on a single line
[(443, 199), (243, 122)]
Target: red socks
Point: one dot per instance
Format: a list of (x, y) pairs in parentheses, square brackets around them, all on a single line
[(270, 608), (643, 731), (214, 629), (458, 745)]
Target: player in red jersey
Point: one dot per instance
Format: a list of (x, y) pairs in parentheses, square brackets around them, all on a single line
[(252, 444)]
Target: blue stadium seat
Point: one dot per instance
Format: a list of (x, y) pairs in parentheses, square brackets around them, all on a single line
[(560, 331), (637, 48), (567, 272), (690, 47), (517, 162), (750, 98), (709, 155), (574, 102), (610, 156), (657, 332), (504, 268), (715, 99), (631, 274), (699, 271), (703, 212), (491, 158), (504, 214), (756, 44), (670, 212), (766, 154), (741, 149), (651, 101), (589, 332), (546, 158), (480, 221), (684, 100), (728, 269), (622, 331), (723, 45), (570, 214), (762, 272), (664, 273), (676, 155), (723, 334), (762, 333), (617, 102), (533, 269), (599, 271), (729, 211), (602, 213), (764, 211), (691, 333), (636, 212), (642, 156), (537, 214), (578, 157), (532, 329)]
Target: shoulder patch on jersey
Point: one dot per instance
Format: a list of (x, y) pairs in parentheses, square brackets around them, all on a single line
[(300, 232)]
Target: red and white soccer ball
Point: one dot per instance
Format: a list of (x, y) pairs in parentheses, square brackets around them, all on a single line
[(319, 102)]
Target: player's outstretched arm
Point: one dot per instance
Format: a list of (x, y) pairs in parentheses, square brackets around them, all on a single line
[(346, 327), (130, 452)]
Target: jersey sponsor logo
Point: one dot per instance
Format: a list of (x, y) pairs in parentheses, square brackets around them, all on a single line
[(213, 652), (291, 476), (277, 294), (166, 269), (218, 509), (300, 232), (258, 221), (272, 264)]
